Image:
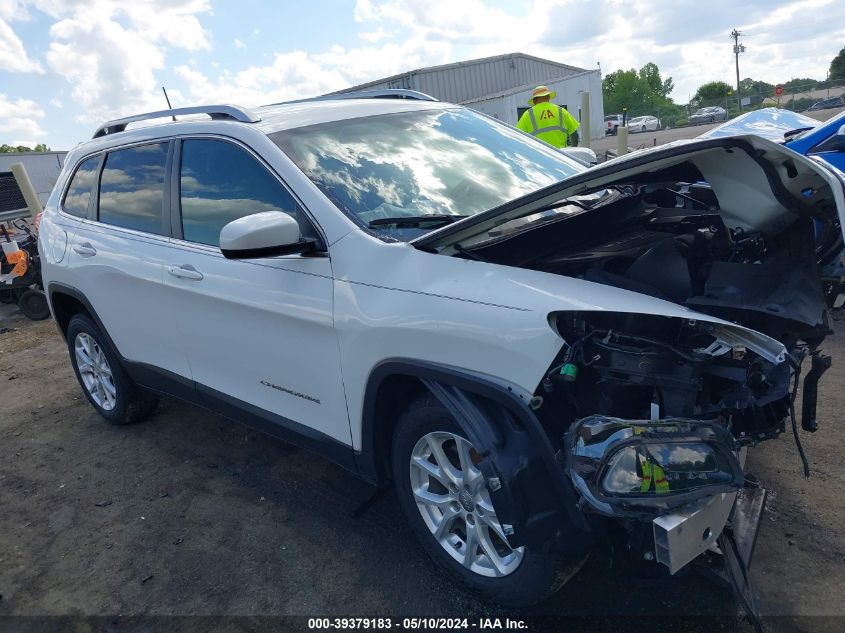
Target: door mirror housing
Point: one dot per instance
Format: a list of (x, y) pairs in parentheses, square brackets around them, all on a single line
[(835, 143), (267, 234)]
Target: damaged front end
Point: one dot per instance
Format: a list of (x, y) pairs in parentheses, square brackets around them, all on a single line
[(693, 281), (655, 414), (681, 476)]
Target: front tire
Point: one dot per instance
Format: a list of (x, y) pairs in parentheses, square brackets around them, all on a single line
[(99, 372), (447, 505)]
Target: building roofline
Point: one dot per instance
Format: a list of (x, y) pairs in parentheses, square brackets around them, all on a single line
[(468, 62), (51, 152), (526, 87)]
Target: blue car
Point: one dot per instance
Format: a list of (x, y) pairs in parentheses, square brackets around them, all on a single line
[(826, 140)]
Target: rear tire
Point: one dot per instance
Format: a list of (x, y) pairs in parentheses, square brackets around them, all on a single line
[(509, 577), (102, 377), (33, 303)]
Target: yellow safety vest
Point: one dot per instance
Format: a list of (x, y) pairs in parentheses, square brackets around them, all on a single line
[(653, 472), (548, 122)]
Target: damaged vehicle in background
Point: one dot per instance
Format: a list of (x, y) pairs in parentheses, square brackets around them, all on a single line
[(541, 358)]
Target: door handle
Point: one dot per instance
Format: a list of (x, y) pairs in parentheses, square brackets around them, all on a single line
[(185, 272), (85, 250)]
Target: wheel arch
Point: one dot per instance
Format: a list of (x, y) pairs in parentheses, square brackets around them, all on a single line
[(67, 301), (394, 383), (498, 420)]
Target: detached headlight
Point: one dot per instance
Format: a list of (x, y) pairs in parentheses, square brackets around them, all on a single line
[(664, 468), (627, 464)]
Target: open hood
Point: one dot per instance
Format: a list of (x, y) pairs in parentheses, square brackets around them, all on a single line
[(759, 184)]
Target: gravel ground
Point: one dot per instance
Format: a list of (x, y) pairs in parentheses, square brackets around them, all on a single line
[(190, 514)]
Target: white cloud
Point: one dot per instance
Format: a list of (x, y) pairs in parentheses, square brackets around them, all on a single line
[(688, 39), (111, 51), (239, 43), (13, 56), (376, 36), (298, 74), (20, 118)]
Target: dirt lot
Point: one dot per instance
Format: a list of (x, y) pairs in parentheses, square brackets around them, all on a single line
[(190, 514)]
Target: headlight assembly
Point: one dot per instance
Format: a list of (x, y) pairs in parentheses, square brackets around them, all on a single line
[(625, 464)]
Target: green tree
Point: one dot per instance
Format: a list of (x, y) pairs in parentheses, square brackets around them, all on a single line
[(837, 67), (802, 84), (641, 91), (712, 93), (752, 87), (650, 74), (20, 149)]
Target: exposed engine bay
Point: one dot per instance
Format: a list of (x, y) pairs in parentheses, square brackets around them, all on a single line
[(653, 412)]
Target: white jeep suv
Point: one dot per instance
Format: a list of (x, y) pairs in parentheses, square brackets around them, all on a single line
[(535, 354)]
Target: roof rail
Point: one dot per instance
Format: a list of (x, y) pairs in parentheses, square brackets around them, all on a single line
[(385, 93), (216, 112)]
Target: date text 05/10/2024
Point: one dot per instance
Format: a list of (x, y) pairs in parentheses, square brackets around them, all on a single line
[(416, 624)]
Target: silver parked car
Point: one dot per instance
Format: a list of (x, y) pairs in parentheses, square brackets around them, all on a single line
[(643, 124), (708, 115)]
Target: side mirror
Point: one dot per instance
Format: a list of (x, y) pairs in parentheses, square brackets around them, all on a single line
[(267, 234), (835, 143), (840, 139)]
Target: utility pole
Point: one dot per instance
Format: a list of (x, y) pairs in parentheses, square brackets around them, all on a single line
[(738, 48)]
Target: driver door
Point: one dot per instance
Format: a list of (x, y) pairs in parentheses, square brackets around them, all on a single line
[(258, 334)]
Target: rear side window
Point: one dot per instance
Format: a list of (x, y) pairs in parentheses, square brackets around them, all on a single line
[(132, 188), (221, 182), (79, 191)]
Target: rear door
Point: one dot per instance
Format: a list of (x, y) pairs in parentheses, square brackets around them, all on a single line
[(259, 334), (117, 254)]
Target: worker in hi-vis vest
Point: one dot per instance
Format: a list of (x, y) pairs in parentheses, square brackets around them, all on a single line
[(545, 120)]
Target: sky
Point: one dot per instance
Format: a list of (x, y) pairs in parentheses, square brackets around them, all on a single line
[(68, 65)]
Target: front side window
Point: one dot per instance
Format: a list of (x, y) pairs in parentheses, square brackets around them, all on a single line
[(79, 191), (132, 188), (452, 162), (221, 182)]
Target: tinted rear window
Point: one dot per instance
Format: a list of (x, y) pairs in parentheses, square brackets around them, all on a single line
[(79, 192), (132, 188)]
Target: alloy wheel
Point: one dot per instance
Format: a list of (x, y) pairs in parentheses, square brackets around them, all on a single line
[(95, 372), (454, 502)]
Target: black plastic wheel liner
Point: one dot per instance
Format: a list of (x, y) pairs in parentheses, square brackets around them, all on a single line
[(527, 486)]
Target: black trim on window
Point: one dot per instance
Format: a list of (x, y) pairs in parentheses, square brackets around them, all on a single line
[(304, 246), (94, 202), (174, 191), (166, 202)]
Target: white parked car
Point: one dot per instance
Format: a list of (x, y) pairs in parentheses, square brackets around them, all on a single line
[(537, 355), (644, 124)]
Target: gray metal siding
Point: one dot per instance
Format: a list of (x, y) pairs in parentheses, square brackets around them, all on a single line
[(475, 79)]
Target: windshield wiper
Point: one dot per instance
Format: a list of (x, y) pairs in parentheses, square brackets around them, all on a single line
[(788, 136), (416, 220)]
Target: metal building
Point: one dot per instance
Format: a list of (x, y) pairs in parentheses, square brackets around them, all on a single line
[(43, 169), (500, 86)]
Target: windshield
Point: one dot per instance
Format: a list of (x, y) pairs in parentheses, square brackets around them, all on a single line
[(452, 162)]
